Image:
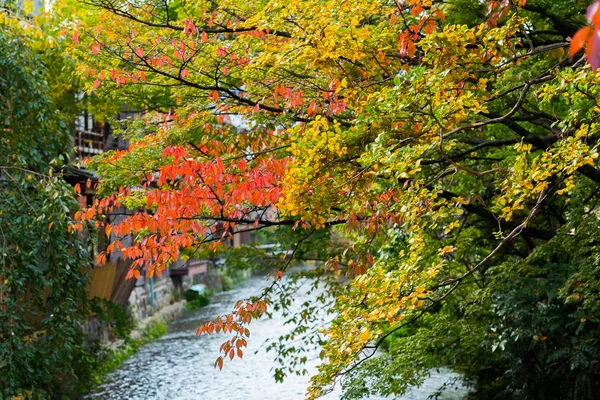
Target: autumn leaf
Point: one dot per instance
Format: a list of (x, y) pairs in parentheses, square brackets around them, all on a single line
[(593, 14), (579, 40)]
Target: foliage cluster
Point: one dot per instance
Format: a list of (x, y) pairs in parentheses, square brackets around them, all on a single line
[(439, 157), (43, 264), (195, 299), (119, 323)]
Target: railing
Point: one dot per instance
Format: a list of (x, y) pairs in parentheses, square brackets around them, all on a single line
[(88, 144)]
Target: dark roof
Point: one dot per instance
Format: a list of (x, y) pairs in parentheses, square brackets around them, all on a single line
[(75, 175)]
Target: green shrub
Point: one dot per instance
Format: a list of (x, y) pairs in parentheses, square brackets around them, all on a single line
[(115, 316), (44, 266), (226, 283), (195, 299), (198, 302)]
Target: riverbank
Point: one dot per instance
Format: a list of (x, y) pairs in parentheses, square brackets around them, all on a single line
[(112, 354), (180, 365)]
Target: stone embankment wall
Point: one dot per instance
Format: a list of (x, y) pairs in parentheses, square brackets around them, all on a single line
[(150, 295)]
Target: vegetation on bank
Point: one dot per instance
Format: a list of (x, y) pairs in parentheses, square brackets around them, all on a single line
[(43, 265)]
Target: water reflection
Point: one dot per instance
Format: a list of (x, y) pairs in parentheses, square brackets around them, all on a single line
[(179, 366)]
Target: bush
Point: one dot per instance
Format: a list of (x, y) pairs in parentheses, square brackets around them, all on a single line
[(195, 299), (226, 283), (115, 316)]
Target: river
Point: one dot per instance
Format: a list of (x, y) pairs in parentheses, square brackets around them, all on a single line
[(179, 366)]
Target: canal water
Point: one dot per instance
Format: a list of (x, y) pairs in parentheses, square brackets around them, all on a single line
[(179, 366)]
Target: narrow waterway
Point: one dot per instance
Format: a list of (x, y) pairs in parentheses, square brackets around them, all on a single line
[(179, 366)]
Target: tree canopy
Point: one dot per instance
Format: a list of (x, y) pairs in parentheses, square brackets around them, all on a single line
[(439, 157)]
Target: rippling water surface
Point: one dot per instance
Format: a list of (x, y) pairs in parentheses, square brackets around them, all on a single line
[(179, 366)]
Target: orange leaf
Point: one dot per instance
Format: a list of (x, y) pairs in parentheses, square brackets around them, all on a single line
[(579, 40), (416, 10), (596, 17), (411, 49)]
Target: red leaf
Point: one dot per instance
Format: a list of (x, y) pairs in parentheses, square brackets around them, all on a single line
[(139, 52), (416, 10), (593, 14), (95, 48), (75, 38), (579, 40)]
